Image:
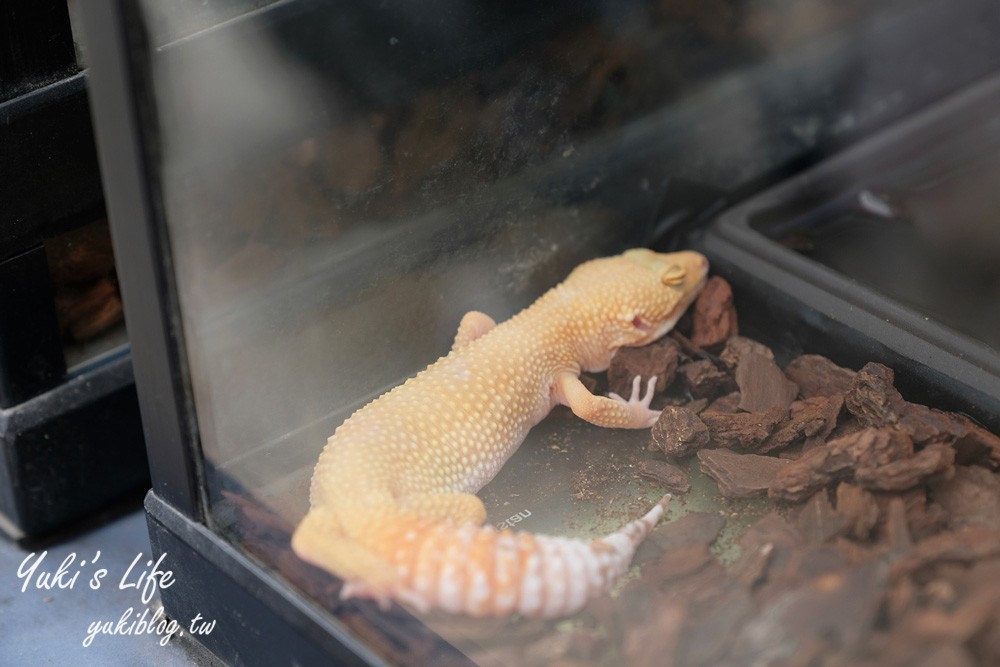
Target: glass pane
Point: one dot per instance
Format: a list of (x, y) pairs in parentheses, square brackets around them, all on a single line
[(344, 181)]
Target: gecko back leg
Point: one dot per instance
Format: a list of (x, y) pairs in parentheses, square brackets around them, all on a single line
[(474, 324), (456, 507), (320, 541)]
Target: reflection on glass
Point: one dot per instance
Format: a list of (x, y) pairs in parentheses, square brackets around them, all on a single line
[(930, 241)]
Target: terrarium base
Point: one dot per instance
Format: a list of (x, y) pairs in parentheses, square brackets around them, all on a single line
[(71, 450), (258, 620)]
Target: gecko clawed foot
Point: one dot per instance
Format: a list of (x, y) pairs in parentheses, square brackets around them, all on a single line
[(635, 398), (640, 404)]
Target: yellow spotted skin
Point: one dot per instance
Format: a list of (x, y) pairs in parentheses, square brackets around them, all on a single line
[(392, 505)]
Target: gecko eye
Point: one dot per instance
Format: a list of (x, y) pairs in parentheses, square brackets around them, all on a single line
[(640, 323), (674, 275)]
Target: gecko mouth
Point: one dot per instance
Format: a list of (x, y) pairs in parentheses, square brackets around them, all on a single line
[(677, 312)]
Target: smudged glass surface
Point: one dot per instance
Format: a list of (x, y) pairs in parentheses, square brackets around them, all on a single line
[(343, 181)]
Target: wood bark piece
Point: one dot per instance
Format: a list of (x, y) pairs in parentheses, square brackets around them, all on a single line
[(683, 545), (818, 376), (805, 564), (812, 418), (971, 597), (692, 528), (697, 405), (728, 404), (741, 429), (923, 518), (961, 624), (772, 528), (643, 647), (704, 380), (740, 475), (897, 527), (977, 445), (679, 432), (714, 315), (906, 473), (660, 359), (873, 398), (859, 510), (738, 347), (972, 443), (840, 607), (713, 623), (667, 475), (711, 601), (953, 655), (928, 426), (91, 312), (81, 256), (818, 521), (765, 547), (751, 568), (874, 401), (971, 497), (690, 350), (679, 562), (866, 450), (762, 384), (965, 545)]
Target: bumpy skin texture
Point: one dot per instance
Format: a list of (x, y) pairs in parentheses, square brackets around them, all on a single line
[(392, 505)]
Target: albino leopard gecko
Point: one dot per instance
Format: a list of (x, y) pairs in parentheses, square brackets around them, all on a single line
[(392, 505)]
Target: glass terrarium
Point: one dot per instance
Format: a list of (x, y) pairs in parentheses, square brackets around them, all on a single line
[(307, 198)]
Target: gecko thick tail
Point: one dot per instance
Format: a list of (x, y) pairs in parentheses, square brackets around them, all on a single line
[(479, 571)]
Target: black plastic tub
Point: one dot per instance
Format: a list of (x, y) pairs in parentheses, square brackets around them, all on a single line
[(867, 256)]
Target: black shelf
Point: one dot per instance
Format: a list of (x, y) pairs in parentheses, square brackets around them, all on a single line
[(49, 176), (71, 450), (37, 45), (69, 442)]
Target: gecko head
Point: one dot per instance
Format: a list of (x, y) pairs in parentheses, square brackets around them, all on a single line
[(638, 296)]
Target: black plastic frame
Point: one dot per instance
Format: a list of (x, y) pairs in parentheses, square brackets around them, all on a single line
[(142, 250)]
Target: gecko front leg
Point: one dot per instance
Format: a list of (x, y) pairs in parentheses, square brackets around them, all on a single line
[(614, 412), (474, 324)]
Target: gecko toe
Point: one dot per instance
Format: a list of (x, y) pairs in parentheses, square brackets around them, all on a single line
[(636, 387), (650, 386)]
